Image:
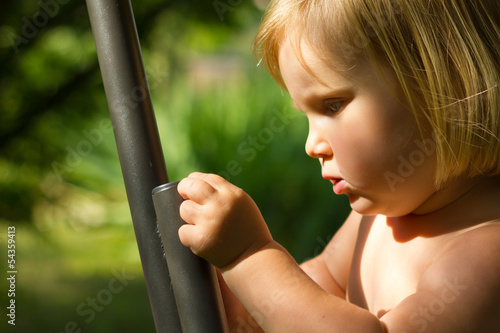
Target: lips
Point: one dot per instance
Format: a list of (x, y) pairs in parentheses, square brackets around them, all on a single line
[(339, 184)]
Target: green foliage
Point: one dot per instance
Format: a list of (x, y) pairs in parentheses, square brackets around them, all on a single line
[(60, 180)]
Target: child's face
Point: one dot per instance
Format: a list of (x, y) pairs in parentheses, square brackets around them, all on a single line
[(367, 142)]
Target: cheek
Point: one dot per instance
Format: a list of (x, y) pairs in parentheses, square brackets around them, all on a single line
[(366, 151), (357, 156)]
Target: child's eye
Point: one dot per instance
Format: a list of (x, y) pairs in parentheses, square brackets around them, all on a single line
[(333, 106)]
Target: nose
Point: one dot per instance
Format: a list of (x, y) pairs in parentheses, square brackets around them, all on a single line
[(316, 145)]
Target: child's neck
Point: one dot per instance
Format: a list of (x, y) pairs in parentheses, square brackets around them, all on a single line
[(457, 207), (449, 195)]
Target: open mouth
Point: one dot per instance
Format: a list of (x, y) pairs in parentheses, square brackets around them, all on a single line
[(339, 184)]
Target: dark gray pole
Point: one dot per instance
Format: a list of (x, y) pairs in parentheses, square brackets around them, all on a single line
[(138, 144), (194, 280)]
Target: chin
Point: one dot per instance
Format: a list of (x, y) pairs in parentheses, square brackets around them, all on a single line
[(363, 206), (368, 207)]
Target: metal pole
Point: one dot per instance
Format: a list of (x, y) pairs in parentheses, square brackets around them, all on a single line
[(195, 304), (194, 280), (138, 143)]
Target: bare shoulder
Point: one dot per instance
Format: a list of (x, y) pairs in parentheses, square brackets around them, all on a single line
[(459, 290), (470, 269), (474, 253), (474, 248)]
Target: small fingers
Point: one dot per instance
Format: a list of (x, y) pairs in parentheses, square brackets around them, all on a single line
[(190, 211), (186, 235), (194, 238), (215, 180), (196, 189)]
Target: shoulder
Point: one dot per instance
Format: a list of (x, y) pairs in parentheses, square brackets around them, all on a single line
[(466, 277), (458, 292), (475, 247), (474, 253)]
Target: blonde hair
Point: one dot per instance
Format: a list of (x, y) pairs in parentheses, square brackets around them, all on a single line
[(445, 54)]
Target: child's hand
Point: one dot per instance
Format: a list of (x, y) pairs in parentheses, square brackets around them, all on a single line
[(224, 224)]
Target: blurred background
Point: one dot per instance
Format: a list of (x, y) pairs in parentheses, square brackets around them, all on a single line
[(60, 181)]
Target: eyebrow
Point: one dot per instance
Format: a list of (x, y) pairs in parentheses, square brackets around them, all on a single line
[(332, 93), (342, 91)]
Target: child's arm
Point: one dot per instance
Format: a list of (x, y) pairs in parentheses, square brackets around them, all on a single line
[(282, 298), (238, 318), (226, 228), (458, 292), (330, 270)]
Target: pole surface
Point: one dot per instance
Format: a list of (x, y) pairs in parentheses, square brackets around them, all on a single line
[(194, 280), (138, 144)]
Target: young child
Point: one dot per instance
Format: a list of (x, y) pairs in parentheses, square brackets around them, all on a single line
[(403, 103)]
